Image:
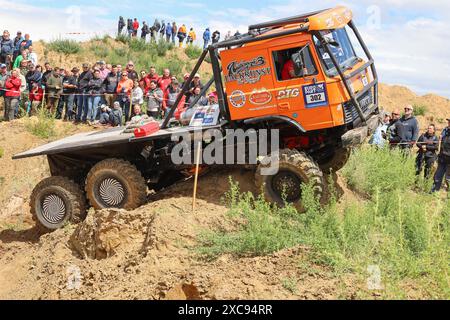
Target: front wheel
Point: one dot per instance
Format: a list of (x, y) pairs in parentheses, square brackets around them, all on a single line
[(294, 168), (115, 183), (56, 201)]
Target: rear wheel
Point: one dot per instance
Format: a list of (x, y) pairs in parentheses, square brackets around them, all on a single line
[(115, 183), (56, 201), (295, 168)]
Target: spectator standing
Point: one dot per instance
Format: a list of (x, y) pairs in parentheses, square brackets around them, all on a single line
[(174, 31), (156, 26), (137, 95), (228, 36), (380, 135), (392, 128), (33, 76), (206, 38), (6, 49), (120, 25), (155, 99), (168, 32), (130, 27), (103, 70), (408, 129), (191, 37), (36, 96), (170, 98), (54, 89), (32, 56), (82, 97), (12, 95), (428, 144), (95, 90), (443, 169), (27, 42), (162, 31), (3, 76), (132, 74), (135, 27), (237, 34), (21, 57), (145, 30), (110, 86), (67, 100), (124, 88), (215, 36), (165, 80), (17, 42), (181, 35)]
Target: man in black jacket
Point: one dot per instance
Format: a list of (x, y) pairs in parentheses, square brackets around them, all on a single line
[(110, 86), (407, 129), (82, 98), (66, 102), (120, 25), (428, 144), (443, 169)]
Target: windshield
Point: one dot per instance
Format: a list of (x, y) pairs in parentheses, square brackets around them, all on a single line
[(342, 49)]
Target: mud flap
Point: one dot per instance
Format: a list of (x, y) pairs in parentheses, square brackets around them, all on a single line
[(357, 136)]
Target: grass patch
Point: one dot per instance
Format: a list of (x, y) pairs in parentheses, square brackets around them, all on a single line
[(65, 46), (99, 49), (399, 230), (193, 52), (43, 126), (2, 152)]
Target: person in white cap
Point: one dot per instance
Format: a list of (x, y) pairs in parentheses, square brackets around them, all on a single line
[(408, 129)]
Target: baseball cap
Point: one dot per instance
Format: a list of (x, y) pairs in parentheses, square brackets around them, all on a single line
[(75, 69), (197, 75), (2, 66)]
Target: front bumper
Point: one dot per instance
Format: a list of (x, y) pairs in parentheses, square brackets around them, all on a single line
[(357, 136)]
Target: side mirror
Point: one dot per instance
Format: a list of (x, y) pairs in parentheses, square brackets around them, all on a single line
[(299, 62)]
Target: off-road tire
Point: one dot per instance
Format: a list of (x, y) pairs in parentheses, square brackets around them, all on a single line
[(296, 164), (337, 162), (55, 194), (115, 183)]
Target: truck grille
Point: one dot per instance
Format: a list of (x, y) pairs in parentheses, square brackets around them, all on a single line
[(350, 111)]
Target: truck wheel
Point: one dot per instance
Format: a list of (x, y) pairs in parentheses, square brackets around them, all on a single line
[(56, 201), (115, 183), (295, 168), (337, 161)]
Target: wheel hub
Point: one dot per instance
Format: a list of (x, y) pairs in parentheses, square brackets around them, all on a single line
[(53, 209), (287, 185), (112, 192)]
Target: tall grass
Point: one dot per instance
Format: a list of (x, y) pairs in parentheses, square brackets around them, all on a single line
[(43, 126), (402, 232), (420, 110), (193, 52), (65, 46)]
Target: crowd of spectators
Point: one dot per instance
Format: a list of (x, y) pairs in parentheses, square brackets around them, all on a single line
[(402, 131)]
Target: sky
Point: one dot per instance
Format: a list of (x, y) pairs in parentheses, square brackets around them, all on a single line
[(408, 38)]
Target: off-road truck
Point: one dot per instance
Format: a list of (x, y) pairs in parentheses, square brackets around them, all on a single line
[(310, 76)]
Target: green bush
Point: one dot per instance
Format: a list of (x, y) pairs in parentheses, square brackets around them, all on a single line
[(193, 52), (123, 38), (403, 232), (65, 46), (420, 110), (100, 50), (2, 152), (43, 126)]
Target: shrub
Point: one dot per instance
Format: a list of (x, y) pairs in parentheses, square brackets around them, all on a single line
[(43, 126), (100, 50), (123, 38), (65, 46), (420, 110), (193, 52), (2, 152)]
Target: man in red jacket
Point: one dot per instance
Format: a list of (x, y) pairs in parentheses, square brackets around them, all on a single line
[(36, 95), (135, 27), (12, 95), (165, 80)]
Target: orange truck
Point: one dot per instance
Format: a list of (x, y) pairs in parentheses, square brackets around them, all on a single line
[(310, 77)]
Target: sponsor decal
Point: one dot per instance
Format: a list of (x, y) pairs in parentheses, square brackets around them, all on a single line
[(247, 71), (288, 93), (237, 99), (315, 95), (260, 97)]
